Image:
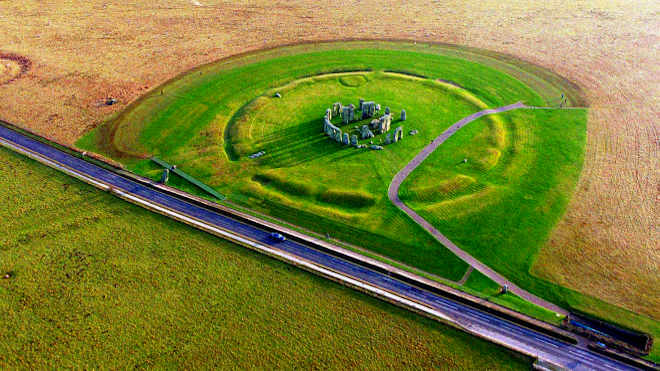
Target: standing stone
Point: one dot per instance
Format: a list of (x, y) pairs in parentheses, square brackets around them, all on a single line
[(336, 109), (361, 103), (348, 113), (345, 115), (388, 138), (352, 111), (328, 114), (377, 107), (387, 110), (403, 115), (368, 109), (338, 135), (365, 133), (354, 140), (326, 125), (383, 124), (398, 134), (345, 139)]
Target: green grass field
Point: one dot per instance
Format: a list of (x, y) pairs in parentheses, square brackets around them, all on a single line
[(99, 283), (502, 214), (500, 205), (207, 121)]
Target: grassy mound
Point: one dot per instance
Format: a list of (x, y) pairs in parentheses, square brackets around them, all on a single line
[(283, 184), (464, 205), (240, 129), (350, 199), (485, 159), (445, 189), (352, 80)]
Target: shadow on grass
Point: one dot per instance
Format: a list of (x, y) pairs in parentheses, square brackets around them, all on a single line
[(299, 144)]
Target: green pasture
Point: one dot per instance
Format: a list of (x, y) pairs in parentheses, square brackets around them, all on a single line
[(97, 283), (207, 121), (496, 188), (502, 214)]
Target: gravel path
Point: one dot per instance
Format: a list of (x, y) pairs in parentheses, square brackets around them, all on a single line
[(393, 194)]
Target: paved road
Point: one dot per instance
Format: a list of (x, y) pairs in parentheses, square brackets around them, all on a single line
[(393, 194), (474, 321)]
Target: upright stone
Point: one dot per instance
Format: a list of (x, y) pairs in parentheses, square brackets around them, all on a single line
[(354, 140), (345, 139), (377, 107), (388, 138), (328, 114), (365, 133), (348, 113), (326, 125), (387, 110), (383, 124), (361, 103), (398, 134), (338, 135), (352, 111), (368, 109), (403, 115), (336, 109), (345, 114)]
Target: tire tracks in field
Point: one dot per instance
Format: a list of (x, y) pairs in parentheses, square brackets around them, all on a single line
[(393, 194)]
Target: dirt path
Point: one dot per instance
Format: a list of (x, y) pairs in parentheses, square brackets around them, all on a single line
[(393, 194)]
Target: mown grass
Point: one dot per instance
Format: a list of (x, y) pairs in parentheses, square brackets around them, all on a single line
[(347, 198), (515, 187), (284, 185), (99, 283), (315, 182), (531, 185), (441, 190), (212, 101), (299, 154)]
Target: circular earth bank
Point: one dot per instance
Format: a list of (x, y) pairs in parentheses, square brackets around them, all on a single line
[(288, 129), (210, 120)]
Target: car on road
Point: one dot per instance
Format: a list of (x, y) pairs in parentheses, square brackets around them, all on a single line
[(277, 237)]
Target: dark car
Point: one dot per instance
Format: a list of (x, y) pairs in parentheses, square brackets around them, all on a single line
[(277, 237)]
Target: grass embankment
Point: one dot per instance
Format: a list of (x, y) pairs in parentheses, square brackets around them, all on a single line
[(207, 121), (99, 283), (504, 214)]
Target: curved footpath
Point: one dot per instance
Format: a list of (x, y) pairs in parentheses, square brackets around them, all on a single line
[(382, 285), (393, 194)]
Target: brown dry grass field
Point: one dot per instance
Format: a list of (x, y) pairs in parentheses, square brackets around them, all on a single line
[(606, 245)]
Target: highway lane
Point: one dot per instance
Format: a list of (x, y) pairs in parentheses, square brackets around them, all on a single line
[(471, 319)]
